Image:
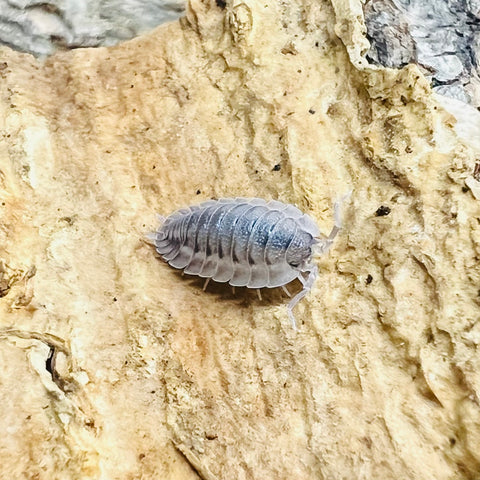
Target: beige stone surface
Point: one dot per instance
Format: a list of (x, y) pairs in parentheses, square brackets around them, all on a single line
[(114, 366)]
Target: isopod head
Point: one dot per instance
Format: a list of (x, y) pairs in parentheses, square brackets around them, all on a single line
[(299, 252)]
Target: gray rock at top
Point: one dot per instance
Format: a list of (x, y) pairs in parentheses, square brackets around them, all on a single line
[(42, 26), (442, 36)]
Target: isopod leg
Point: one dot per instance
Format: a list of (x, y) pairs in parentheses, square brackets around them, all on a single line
[(307, 286), (285, 289), (205, 284), (259, 294)]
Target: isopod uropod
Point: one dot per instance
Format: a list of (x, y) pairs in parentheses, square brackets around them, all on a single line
[(247, 242)]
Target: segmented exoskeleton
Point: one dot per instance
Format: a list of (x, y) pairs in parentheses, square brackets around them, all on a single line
[(247, 242)]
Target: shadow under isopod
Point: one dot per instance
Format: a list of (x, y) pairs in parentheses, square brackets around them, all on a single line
[(240, 296)]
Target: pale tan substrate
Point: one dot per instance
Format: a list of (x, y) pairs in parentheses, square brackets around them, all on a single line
[(154, 378)]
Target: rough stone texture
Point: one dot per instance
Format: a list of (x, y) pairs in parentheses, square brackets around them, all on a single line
[(42, 27), (441, 36), (114, 366)]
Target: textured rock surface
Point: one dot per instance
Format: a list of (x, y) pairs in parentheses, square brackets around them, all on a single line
[(442, 36), (114, 366), (41, 27)]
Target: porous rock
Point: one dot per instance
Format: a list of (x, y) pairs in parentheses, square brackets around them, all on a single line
[(115, 366), (41, 27), (440, 36)]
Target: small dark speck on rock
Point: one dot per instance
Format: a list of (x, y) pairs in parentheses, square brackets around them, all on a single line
[(382, 211), (369, 279), (68, 220), (476, 172), (452, 441), (465, 189), (312, 111), (221, 3), (114, 299), (50, 361), (198, 192), (277, 167)]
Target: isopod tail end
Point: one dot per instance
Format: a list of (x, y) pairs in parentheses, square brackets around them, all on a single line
[(150, 237), (153, 238)]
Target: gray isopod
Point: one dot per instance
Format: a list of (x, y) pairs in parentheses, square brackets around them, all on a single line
[(247, 242)]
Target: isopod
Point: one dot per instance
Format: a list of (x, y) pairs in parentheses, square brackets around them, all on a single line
[(247, 242)]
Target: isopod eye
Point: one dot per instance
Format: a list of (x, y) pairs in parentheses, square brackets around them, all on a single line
[(299, 250)]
